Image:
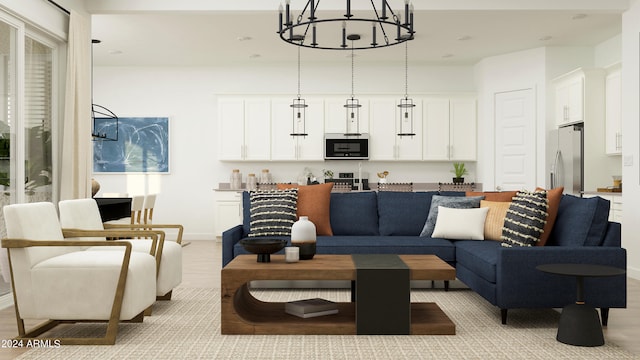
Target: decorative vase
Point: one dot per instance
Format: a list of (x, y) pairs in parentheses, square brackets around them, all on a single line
[(303, 235), (95, 187)]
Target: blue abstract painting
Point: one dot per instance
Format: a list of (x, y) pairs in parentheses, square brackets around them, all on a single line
[(142, 145)]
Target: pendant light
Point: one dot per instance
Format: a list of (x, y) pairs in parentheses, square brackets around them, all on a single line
[(352, 105), (406, 105), (298, 126)]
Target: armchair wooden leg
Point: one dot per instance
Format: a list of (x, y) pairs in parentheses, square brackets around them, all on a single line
[(165, 297)]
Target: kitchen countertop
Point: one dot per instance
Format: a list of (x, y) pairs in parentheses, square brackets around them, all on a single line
[(373, 186)]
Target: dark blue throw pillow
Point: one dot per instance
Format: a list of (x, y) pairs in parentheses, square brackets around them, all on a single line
[(580, 221)]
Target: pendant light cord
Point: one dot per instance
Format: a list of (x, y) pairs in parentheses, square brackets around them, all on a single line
[(406, 69), (352, 70), (298, 72)]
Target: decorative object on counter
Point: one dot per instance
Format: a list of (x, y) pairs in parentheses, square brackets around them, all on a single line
[(382, 176), (459, 170), (303, 235), (263, 247), (310, 179), (252, 182), (456, 186), (617, 182), (235, 181), (265, 177), (327, 173), (402, 187)]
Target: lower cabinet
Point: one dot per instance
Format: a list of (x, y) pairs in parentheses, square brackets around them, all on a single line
[(227, 210)]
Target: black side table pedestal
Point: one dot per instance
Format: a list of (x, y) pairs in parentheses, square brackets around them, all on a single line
[(579, 323)]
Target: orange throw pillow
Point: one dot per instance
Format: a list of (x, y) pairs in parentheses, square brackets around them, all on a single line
[(494, 195), (553, 198), (495, 218), (313, 201)]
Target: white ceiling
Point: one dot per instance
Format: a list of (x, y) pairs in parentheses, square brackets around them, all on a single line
[(449, 37)]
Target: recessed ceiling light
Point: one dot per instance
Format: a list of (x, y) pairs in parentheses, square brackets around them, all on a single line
[(115, 52), (446, 56), (464, 38), (546, 38), (245, 38), (578, 16), (254, 56)]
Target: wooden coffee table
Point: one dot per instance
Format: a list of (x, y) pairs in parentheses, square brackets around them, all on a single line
[(242, 313)]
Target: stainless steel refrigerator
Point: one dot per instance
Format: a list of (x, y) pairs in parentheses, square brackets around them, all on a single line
[(567, 168)]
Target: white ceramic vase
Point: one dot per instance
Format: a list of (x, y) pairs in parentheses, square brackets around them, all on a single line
[(303, 235)]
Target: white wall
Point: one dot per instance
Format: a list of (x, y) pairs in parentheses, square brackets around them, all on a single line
[(188, 97), (514, 71), (630, 129)]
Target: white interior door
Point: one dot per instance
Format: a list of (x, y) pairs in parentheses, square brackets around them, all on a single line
[(515, 151)]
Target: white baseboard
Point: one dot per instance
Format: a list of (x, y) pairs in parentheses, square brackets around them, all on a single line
[(633, 272)]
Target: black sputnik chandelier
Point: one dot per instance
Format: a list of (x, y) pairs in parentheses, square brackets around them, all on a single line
[(386, 26)]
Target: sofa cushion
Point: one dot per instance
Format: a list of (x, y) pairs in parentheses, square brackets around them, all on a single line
[(495, 218), (456, 202), (403, 213), (273, 212), (313, 202), (525, 219), (448, 223), (480, 257), (580, 221), (553, 197), (354, 213), (444, 249)]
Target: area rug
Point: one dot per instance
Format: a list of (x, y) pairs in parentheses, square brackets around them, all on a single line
[(188, 327)]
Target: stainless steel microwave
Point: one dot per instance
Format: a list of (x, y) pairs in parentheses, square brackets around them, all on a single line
[(346, 147)]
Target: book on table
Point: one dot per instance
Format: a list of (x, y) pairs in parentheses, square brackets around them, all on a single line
[(311, 307)]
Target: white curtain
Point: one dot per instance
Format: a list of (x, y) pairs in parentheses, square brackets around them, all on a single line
[(76, 158)]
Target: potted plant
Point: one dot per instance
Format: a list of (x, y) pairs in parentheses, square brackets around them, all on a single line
[(459, 170)]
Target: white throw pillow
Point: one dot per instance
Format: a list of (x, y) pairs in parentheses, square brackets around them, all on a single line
[(460, 224)]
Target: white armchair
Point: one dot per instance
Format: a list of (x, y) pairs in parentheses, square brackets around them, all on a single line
[(68, 281), (83, 214)]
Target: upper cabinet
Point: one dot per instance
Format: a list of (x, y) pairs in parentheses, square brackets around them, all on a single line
[(570, 100), (284, 146), (389, 131), (449, 128), (243, 128), (613, 118)]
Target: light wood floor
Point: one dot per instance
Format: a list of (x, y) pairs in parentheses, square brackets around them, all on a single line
[(201, 268)]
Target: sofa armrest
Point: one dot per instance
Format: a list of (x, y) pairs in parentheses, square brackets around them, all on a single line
[(520, 285), (229, 238)]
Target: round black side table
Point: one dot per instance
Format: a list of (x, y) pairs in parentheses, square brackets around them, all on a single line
[(579, 323)]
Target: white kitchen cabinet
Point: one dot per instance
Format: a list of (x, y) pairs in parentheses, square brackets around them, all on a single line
[(385, 124), (450, 125), (244, 128), (613, 118), (227, 210), (570, 99), (337, 120), (287, 147)]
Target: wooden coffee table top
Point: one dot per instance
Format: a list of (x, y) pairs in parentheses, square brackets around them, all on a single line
[(332, 267)]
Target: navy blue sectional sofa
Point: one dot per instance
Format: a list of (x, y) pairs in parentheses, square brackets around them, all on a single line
[(390, 223)]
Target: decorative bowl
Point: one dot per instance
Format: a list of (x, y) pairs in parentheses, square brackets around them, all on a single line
[(263, 247)]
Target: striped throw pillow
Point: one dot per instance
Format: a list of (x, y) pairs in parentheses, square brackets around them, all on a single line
[(525, 219), (273, 212)]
